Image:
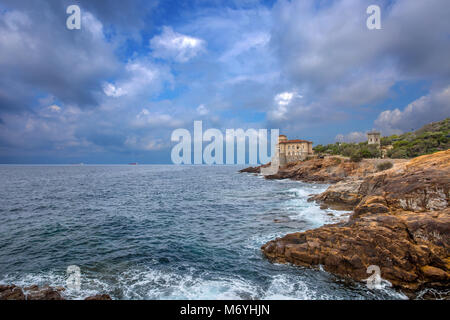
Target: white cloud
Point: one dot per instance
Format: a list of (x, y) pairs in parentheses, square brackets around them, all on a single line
[(147, 119), (176, 46), (282, 102), (284, 98), (433, 107), (145, 143), (36, 56), (92, 24), (355, 136), (248, 42), (112, 91), (54, 108), (141, 79), (16, 19), (202, 110), (329, 51)]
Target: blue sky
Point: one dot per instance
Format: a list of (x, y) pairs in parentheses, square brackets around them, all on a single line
[(114, 91)]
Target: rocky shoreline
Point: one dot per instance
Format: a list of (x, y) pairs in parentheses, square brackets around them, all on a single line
[(400, 221), (34, 292)]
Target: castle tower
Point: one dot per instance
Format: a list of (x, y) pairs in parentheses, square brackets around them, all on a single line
[(281, 149), (292, 150), (374, 137), (282, 138)]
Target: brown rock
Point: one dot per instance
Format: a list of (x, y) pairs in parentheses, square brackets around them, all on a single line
[(407, 259), (371, 205), (99, 297), (42, 293), (11, 292), (326, 170), (435, 274), (401, 221), (34, 292), (251, 170), (340, 196)]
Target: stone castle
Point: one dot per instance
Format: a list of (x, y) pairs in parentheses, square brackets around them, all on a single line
[(374, 137), (293, 150)]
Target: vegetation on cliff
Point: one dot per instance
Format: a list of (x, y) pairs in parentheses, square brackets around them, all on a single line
[(431, 138), (355, 151)]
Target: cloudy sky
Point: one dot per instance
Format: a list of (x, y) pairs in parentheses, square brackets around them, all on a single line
[(114, 91)]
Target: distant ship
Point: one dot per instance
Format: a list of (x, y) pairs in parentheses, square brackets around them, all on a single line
[(133, 164)]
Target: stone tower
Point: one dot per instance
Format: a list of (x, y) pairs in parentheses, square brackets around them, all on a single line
[(293, 150), (281, 149), (374, 137)]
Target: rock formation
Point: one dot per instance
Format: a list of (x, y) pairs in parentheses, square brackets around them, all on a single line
[(401, 223), (327, 170), (13, 292), (99, 297)]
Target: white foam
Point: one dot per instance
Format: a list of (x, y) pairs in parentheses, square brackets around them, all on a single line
[(299, 209), (256, 241), (155, 284), (89, 286), (299, 192), (284, 287)]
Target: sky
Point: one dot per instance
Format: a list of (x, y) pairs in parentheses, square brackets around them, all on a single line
[(115, 90)]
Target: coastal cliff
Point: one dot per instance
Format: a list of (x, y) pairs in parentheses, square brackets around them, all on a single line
[(400, 223), (327, 170)]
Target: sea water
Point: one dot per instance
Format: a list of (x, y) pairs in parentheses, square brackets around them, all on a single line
[(161, 232)]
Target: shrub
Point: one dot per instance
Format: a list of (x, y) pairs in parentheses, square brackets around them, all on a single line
[(400, 153), (431, 138), (384, 166), (356, 157)]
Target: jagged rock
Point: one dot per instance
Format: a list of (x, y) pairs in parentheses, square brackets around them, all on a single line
[(323, 170), (99, 297), (34, 292), (419, 185), (401, 223), (251, 170), (409, 256), (340, 196), (43, 293), (11, 292), (371, 205), (255, 169), (328, 170)]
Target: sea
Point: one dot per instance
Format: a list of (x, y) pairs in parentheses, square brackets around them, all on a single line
[(161, 232)]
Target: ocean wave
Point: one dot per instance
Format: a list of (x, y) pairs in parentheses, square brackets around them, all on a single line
[(139, 283), (284, 287)]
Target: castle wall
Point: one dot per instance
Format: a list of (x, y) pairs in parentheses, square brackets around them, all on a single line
[(374, 138), (298, 157), (282, 160), (292, 151)]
